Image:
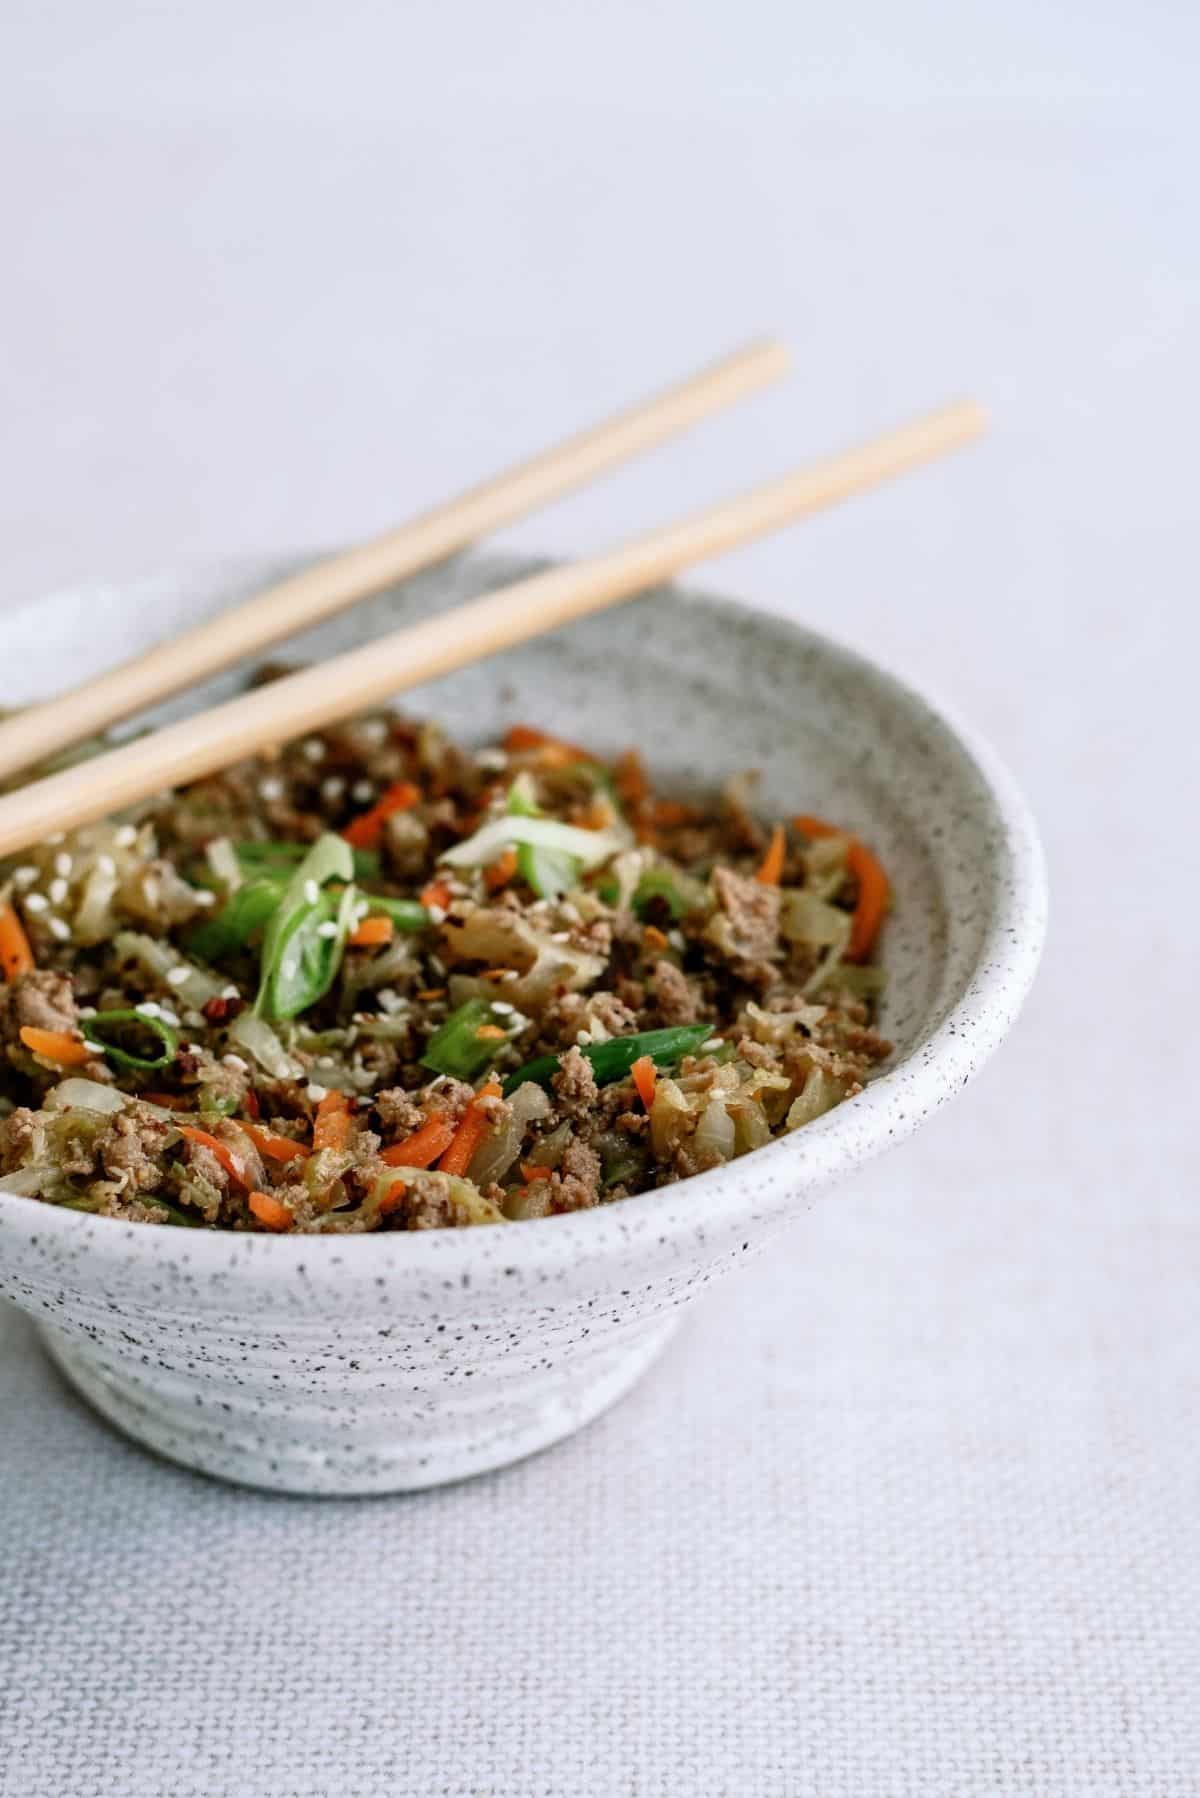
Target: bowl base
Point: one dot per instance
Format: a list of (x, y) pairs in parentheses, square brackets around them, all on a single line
[(419, 1453)]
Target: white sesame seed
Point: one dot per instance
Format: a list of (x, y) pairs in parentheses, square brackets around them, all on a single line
[(178, 976), (314, 749), (168, 1016), (363, 790), (58, 890), (105, 864), (316, 1093), (148, 1009), (202, 897), (570, 912), (332, 788), (126, 837), (60, 928), (714, 1042), (326, 1061), (87, 1011), (436, 914), (93, 1048), (195, 1020), (63, 863), (329, 929), (583, 1036), (492, 759), (25, 875), (373, 730), (231, 992), (236, 1063), (270, 787), (675, 938), (510, 974), (502, 1008), (312, 892), (560, 936), (36, 902), (390, 1000), (56, 836)]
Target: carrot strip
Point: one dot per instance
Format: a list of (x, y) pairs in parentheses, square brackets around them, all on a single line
[(555, 753), (772, 863), (331, 1126), (530, 1173), (488, 1033), (872, 902), (436, 893), (501, 871), (365, 832), (232, 1163), (55, 1045), (279, 1148), (393, 1198), (469, 1134), (16, 957), (874, 891), (269, 1211), (668, 812), (424, 1146), (373, 933), (645, 1077)]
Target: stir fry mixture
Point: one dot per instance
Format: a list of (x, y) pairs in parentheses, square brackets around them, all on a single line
[(379, 982)]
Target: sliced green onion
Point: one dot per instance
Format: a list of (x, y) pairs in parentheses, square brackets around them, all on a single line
[(455, 1048), (406, 914), (276, 857), (298, 961), (105, 1021), (590, 846), (612, 1060), (247, 911)]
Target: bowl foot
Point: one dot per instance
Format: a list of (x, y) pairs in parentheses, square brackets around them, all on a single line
[(404, 1448)]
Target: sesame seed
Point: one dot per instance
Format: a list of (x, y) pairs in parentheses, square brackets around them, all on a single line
[(436, 914), (60, 928), (168, 1016), (314, 749), (502, 1008), (270, 787), (178, 976), (93, 1048), (195, 1020), (126, 837), (236, 1063), (316, 1093), (329, 929), (56, 836), (87, 1011), (148, 1009), (231, 992), (312, 892), (202, 897), (326, 1061), (714, 1042), (36, 902), (332, 788), (58, 890), (560, 936), (373, 730), (492, 759), (63, 863), (25, 875), (583, 1036), (675, 938), (105, 864), (363, 790), (570, 912)]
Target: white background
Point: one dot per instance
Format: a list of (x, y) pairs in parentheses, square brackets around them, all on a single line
[(912, 1509)]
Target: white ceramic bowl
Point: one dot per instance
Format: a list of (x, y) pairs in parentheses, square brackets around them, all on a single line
[(388, 1363)]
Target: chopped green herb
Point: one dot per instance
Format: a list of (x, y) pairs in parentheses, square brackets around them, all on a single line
[(612, 1060), (101, 1028), (456, 1047)]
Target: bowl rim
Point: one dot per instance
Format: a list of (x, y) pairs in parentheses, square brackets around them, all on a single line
[(888, 1110)]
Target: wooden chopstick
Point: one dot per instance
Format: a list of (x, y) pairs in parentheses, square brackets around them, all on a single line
[(292, 605), (363, 677)]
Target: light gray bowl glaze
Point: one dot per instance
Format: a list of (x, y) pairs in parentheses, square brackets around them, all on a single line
[(381, 1364)]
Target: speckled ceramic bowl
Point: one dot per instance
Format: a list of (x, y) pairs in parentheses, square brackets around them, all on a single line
[(381, 1364)]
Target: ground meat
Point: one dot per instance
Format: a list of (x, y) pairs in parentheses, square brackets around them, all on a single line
[(130, 1149), (674, 999), (219, 1079), (576, 1184), (575, 1085), (42, 1000), (612, 1013), (19, 1133), (398, 1114), (752, 911)]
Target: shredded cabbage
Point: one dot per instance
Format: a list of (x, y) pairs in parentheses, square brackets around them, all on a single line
[(589, 847)]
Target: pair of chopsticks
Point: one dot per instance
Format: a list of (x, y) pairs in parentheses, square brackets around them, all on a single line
[(349, 683)]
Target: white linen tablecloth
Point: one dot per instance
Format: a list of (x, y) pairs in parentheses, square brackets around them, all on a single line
[(911, 1508)]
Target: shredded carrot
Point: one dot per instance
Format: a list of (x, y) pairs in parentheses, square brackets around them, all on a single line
[(771, 870), (873, 888), (553, 752), (373, 933), (645, 1077), (16, 957), (231, 1162), (279, 1148), (424, 1146), (251, 1103), (872, 902), (393, 1198), (501, 871), (331, 1126), (436, 893), (668, 812), (470, 1132), (55, 1045), (365, 832), (271, 1212), (530, 1173), (654, 939), (432, 992), (489, 1033)]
